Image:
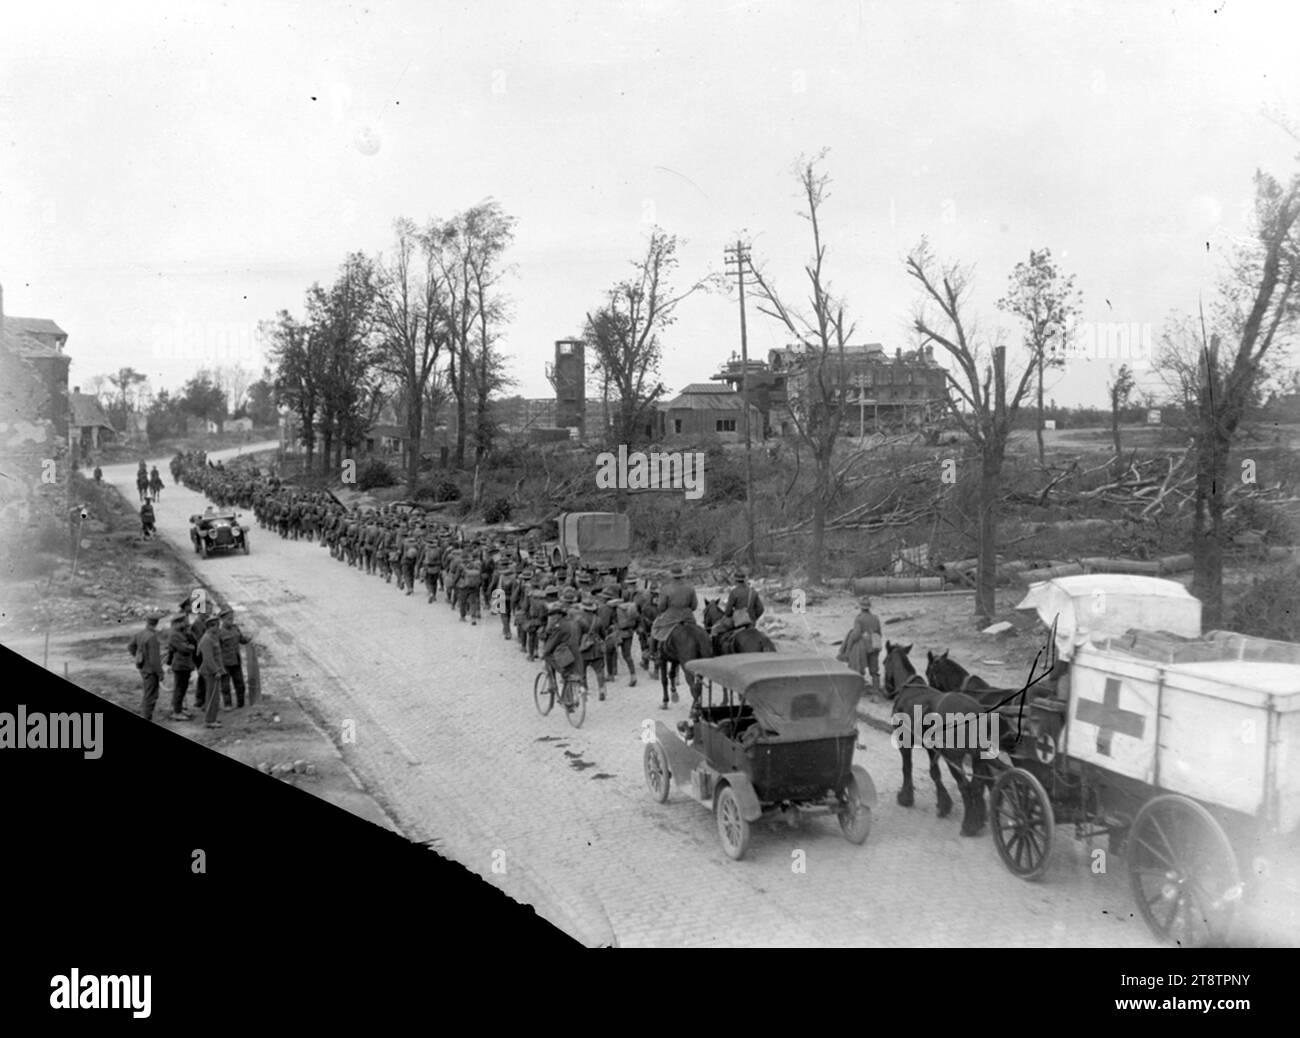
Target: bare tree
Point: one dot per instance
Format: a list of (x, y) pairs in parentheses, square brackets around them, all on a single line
[(412, 329), (234, 380), (125, 381), (821, 331), (1119, 389), (992, 408), (1261, 304), (489, 230), (1047, 304), (623, 335), (467, 250)]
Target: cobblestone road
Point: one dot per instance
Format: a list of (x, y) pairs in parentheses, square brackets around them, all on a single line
[(447, 738)]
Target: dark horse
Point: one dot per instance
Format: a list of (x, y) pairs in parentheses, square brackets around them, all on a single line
[(954, 714), (947, 675), (728, 639), (687, 641)]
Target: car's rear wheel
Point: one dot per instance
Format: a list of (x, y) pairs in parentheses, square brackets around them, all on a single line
[(656, 771), (733, 829), (855, 816)]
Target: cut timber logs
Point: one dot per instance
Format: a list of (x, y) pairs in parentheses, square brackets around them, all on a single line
[(895, 585), (1176, 563), (1142, 567), (1032, 576)]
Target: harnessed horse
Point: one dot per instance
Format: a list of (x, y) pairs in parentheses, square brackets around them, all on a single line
[(953, 714), (727, 639)]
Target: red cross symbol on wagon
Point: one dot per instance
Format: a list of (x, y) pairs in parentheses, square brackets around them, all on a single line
[(1109, 718)]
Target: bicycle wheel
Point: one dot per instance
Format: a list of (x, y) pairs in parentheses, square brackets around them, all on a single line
[(543, 694), (576, 702)]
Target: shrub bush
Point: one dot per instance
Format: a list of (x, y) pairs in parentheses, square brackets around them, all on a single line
[(446, 490), (497, 511), (375, 474), (1270, 608)]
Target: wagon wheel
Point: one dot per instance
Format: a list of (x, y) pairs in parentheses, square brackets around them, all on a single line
[(854, 816), (733, 830), (1022, 823), (543, 695), (1183, 871), (575, 708), (657, 773)]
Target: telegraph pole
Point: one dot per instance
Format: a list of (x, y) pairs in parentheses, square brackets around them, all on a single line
[(737, 256)]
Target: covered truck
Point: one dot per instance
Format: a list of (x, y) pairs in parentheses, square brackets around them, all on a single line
[(593, 541)]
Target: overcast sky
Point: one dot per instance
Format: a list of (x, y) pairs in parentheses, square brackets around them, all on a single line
[(171, 174)]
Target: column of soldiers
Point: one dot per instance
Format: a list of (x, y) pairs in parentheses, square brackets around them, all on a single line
[(541, 606)]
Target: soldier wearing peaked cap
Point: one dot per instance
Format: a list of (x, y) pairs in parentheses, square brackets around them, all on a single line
[(147, 653)]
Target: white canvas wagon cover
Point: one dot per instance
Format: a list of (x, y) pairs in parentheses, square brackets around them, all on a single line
[(1094, 606)]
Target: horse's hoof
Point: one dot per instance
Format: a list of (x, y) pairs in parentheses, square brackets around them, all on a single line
[(663, 706), (675, 699), (905, 799), (944, 810)]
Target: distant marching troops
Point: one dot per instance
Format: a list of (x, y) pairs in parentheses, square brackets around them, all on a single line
[(545, 605)]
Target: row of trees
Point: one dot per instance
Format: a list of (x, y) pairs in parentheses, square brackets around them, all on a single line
[(416, 327), (212, 393)]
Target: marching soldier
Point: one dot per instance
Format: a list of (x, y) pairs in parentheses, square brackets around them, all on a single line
[(431, 561), (411, 548), (455, 563), (647, 607), (591, 644), (504, 580), (467, 586), (624, 625), (519, 600), (535, 619)]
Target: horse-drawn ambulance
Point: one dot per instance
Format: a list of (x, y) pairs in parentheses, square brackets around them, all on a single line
[(1182, 748)]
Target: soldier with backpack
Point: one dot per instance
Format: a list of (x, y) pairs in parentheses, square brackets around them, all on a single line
[(410, 549), (504, 581), (591, 644), (468, 588), (626, 617)]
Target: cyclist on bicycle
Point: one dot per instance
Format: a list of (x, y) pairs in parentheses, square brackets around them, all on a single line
[(560, 649)]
